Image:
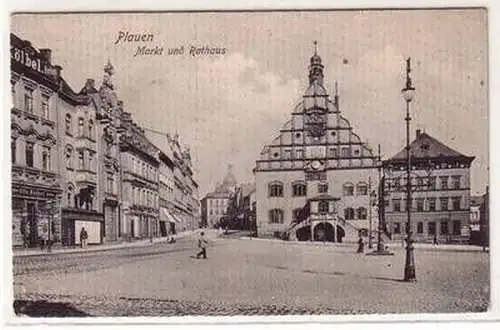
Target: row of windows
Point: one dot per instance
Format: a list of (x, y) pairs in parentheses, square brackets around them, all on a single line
[(29, 154), (430, 183), (277, 215), (429, 204), (300, 189), (144, 169), (218, 202), (83, 131), (145, 197), (84, 163), (345, 152), (431, 227), (29, 93)]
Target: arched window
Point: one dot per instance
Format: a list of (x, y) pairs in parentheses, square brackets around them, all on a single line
[(323, 207), (349, 213), (276, 189), (70, 195), (348, 189), (13, 149), (362, 189), (69, 156), (276, 216), (91, 129), (68, 123), (80, 126), (299, 189), (362, 214)]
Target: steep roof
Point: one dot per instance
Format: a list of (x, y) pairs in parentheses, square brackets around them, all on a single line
[(425, 146)]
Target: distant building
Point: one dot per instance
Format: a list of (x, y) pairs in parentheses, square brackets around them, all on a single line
[(440, 192), (316, 164), (215, 204)]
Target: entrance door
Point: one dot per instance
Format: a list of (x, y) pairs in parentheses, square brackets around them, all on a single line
[(33, 225), (163, 229), (131, 225)]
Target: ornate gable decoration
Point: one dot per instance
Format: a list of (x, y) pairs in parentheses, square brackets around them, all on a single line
[(315, 122)]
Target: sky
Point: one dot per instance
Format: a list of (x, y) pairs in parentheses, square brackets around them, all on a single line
[(227, 107)]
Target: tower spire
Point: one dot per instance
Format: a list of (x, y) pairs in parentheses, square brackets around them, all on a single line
[(315, 67)]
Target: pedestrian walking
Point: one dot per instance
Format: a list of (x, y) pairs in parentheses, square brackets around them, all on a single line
[(44, 238), (435, 241), (83, 237), (361, 245), (202, 245)]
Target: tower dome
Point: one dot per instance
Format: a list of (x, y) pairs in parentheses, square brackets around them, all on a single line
[(229, 180)]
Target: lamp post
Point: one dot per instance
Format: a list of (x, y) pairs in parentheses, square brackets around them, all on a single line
[(408, 94)]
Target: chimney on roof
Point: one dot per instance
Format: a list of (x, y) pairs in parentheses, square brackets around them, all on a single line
[(418, 133), (46, 54), (58, 69), (90, 84)]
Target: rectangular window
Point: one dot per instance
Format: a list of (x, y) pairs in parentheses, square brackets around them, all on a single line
[(13, 149), (432, 204), (420, 228), (348, 190), (420, 204), (455, 182), (444, 182), (299, 154), (46, 159), (28, 100), (90, 162), (443, 203), (80, 127), (456, 203), (396, 205), (444, 227), (322, 188), (397, 228), (333, 152), (81, 163), (288, 154), (110, 183), (431, 228), (420, 184), (29, 154), (45, 107), (299, 190), (456, 227), (432, 183), (397, 184), (346, 152)]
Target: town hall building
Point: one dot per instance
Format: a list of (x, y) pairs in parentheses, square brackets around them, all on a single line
[(313, 181)]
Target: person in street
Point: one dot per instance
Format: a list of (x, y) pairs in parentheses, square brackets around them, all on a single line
[(202, 245), (435, 241), (361, 245), (44, 238), (83, 237)]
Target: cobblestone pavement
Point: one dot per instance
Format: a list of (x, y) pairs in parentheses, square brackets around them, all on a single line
[(244, 277)]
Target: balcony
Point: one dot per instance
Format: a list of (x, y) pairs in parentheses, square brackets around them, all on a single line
[(83, 142), (85, 177)]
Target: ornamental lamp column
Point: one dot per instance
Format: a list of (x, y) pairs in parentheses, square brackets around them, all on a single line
[(408, 94)]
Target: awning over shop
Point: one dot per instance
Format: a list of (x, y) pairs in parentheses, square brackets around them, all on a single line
[(166, 216)]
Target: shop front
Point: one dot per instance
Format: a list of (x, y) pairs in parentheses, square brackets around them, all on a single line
[(73, 220), (34, 210)]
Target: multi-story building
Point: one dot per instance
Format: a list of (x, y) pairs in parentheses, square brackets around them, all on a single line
[(440, 183), (166, 195), (186, 205), (318, 164), (36, 185), (139, 161), (215, 204), (78, 159)]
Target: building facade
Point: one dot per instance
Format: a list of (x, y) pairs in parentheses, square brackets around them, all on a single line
[(78, 159), (316, 154), (440, 192), (215, 205), (36, 182), (140, 180)]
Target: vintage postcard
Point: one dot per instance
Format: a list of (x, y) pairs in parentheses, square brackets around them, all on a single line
[(250, 163)]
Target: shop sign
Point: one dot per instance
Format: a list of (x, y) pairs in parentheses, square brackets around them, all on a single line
[(24, 58), (32, 192)]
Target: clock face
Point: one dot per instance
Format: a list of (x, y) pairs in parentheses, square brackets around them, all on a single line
[(316, 164)]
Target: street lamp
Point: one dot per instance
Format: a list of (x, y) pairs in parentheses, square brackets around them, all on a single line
[(408, 95)]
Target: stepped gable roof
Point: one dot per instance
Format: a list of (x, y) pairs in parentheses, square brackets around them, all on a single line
[(425, 147)]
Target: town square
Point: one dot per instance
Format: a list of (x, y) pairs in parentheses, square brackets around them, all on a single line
[(314, 166)]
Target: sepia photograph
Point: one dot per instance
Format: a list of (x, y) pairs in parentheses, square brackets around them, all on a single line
[(249, 163)]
